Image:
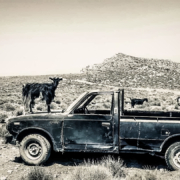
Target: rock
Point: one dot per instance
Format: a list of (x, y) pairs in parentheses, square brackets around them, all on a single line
[(10, 171), (161, 170), (55, 176), (3, 178)]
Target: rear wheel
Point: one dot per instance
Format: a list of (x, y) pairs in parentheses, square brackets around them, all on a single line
[(35, 149), (172, 156)]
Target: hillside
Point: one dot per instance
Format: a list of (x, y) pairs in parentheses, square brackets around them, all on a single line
[(128, 71)]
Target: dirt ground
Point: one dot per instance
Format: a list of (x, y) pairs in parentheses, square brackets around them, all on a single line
[(12, 167)]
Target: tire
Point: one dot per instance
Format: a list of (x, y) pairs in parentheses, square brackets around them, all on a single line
[(172, 156), (35, 149)]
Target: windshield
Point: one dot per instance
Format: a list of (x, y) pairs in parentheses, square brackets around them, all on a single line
[(74, 102)]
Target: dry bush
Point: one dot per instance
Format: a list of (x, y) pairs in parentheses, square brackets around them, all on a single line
[(4, 133), (90, 172), (115, 166), (19, 111), (58, 101), (155, 103), (41, 107), (3, 116), (9, 107), (53, 105), (143, 175), (108, 168), (37, 173), (176, 106), (155, 108), (106, 105)]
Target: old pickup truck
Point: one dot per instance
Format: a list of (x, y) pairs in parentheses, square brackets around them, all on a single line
[(97, 122)]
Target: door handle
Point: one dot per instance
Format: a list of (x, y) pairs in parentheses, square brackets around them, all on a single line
[(105, 124)]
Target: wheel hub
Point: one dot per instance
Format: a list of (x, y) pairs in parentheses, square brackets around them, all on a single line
[(33, 150), (176, 159)]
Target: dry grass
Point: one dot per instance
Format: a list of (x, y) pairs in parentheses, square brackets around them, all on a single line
[(3, 131), (37, 173), (68, 90), (3, 116), (92, 172), (19, 111), (107, 169)]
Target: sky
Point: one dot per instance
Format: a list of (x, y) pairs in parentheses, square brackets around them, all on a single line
[(63, 36)]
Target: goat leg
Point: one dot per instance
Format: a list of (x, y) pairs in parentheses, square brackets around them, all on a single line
[(31, 104), (48, 108)]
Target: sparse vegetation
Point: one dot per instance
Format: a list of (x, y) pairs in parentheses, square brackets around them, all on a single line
[(19, 111), (130, 72), (9, 107), (127, 71), (37, 173), (4, 134), (107, 169), (3, 116)]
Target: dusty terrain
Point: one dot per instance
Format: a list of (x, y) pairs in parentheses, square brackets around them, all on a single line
[(12, 167)]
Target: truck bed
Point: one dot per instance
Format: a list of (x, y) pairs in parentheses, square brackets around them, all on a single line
[(151, 113)]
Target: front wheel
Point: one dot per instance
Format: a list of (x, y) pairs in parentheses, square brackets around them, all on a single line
[(172, 156), (35, 149)]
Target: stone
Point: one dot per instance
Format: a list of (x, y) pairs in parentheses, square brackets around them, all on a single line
[(10, 171)]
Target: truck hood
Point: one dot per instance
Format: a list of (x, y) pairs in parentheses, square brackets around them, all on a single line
[(43, 116)]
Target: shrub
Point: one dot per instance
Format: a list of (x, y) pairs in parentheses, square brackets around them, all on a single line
[(18, 112), (3, 131), (163, 98), (115, 166), (156, 103), (40, 107), (37, 173), (53, 105), (142, 175), (9, 107), (89, 172), (58, 102), (1, 102), (106, 105), (171, 101), (3, 117)]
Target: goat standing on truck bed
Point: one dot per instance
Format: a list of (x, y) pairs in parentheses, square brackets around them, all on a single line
[(31, 91), (138, 101)]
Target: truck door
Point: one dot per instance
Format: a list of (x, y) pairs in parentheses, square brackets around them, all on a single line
[(128, 128), (90, 126)]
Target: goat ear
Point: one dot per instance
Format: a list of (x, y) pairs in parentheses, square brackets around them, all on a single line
[(51, 78)]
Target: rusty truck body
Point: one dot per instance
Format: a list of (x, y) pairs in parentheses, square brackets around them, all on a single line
[(87, 126)]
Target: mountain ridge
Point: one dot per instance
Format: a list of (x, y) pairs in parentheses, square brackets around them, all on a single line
[(129, 71)]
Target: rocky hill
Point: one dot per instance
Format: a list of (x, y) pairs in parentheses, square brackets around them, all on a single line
[(128, 71)]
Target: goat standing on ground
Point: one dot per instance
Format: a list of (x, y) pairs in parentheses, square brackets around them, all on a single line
[(138, 101), (31, 91), (178, 101)]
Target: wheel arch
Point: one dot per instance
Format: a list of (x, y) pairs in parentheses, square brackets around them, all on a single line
[(35, 130), (168, 141)]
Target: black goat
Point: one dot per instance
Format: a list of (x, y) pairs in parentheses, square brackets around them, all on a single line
[(178, 101), (31, 91), (138, 101)]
